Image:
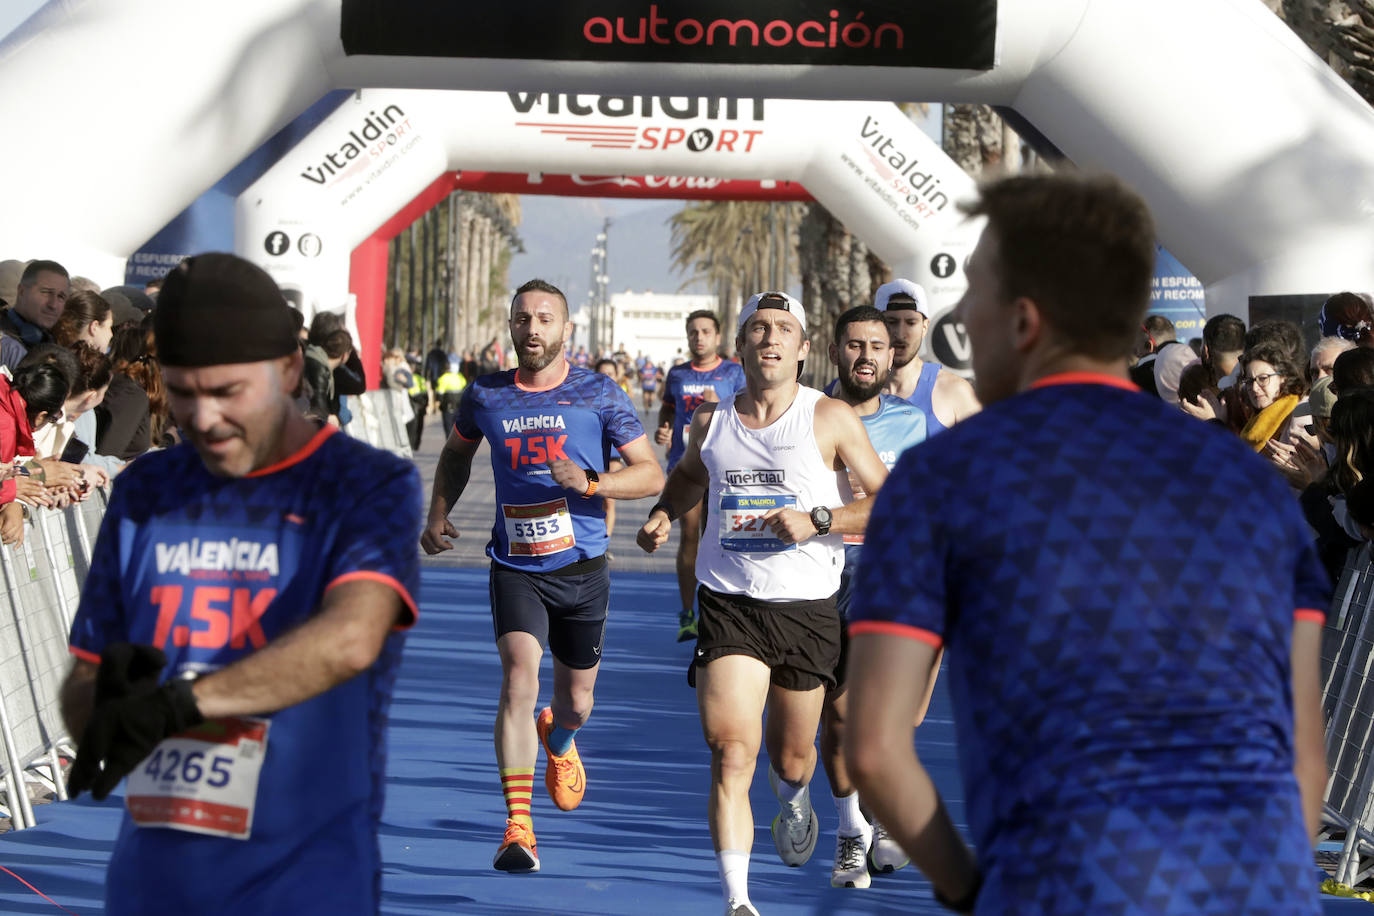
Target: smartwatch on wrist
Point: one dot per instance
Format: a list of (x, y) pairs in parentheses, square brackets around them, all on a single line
[(593, 481), (821, 517)]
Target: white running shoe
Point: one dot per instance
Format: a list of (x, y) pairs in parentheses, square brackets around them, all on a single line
[(735, 908), (884, 855), (796, 827), (851, 860)]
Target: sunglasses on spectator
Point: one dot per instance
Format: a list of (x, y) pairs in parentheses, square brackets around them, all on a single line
[(1259, 379)]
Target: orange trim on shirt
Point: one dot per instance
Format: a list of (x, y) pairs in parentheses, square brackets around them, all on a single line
[(463, 437), (1312, 614), (367, 575), (563, 378), (634, 440), (84, 655), (888, 628), (305, 452), (719, 360), (1084, 378)]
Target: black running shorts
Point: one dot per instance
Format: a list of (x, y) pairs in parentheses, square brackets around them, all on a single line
[(563, 609), (798, 640)]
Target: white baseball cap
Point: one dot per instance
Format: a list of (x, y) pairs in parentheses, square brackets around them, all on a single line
[(901, 288), (774, 300)]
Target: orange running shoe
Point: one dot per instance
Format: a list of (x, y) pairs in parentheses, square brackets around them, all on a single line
[(564, 776), (518, 854)]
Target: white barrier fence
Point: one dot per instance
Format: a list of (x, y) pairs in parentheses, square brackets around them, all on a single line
[(41, 584), (1348, 711), (380, 418)]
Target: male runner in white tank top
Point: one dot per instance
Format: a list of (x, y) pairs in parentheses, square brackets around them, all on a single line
[(944, 397), (769, 464)]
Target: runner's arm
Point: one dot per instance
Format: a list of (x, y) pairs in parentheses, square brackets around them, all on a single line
[(886, 682), (854, 451), (957, 402), (687, 483), (684, 488), (77, 698), (450, 479), (1309, 748), (338, 643), (642, 475)]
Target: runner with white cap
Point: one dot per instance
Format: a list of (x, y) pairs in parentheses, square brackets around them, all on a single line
[(769, 462), (942, 396)]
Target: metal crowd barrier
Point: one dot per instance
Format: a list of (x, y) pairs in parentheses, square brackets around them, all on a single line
[(1348, 710), (41, 584), (380, 418)]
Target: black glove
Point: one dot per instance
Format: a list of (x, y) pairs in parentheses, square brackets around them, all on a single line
[(127, 669), (125, 730)]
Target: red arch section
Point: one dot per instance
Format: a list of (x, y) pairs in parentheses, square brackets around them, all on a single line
[(368, 263)]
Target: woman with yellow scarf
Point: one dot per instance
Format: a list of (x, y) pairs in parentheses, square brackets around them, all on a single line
[(1274, 385)]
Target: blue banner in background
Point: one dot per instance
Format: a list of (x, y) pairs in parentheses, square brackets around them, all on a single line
[(208, 223), (1177, 295)]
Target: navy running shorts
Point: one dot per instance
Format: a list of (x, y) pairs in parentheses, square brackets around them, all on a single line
[(564, 609)]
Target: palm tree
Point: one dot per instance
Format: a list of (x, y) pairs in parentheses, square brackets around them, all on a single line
[(1340, 32), (735, 247)]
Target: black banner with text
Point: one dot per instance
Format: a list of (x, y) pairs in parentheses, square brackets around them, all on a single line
[(946, 34)]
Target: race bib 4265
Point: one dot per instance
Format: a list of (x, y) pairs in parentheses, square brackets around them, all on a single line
[(202, 781)]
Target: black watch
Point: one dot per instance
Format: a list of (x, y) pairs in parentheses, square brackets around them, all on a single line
[(821, 518)]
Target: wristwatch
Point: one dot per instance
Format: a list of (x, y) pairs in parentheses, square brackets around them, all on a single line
[(821, 518), (593, 480)]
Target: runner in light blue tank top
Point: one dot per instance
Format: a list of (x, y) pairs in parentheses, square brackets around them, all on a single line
[(863, 354), (922, 397)]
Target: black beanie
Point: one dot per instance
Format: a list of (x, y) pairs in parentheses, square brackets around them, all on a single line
[(217, 309)]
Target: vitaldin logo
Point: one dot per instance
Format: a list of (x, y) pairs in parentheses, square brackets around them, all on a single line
[(373, 137)]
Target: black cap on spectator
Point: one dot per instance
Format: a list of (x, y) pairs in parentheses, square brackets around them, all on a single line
[(218, 309), (121, 308)]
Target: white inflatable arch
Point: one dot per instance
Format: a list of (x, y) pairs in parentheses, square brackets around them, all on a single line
[(865, 161), (1257, 160)]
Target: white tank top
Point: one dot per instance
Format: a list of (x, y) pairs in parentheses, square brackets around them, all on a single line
[(752, 471)]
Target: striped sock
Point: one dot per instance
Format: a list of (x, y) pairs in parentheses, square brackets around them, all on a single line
[(516, 784)]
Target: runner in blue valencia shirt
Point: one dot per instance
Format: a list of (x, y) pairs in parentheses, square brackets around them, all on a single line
[(550, 427), (236, 636), (705, 378)]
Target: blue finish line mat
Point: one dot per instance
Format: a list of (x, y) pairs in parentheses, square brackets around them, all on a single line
[(638, 843)]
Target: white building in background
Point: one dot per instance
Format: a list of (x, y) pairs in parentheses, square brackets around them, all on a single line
[(655, 323)]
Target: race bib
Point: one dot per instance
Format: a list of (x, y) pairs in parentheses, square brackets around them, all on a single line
[(742, 527), (540, 529), (202, 781)]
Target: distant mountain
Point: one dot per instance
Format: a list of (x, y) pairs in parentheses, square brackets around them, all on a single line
[(560, 232)]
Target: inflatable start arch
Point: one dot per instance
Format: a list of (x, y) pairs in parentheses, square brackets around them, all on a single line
[(1256, 159), (865, 161)]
